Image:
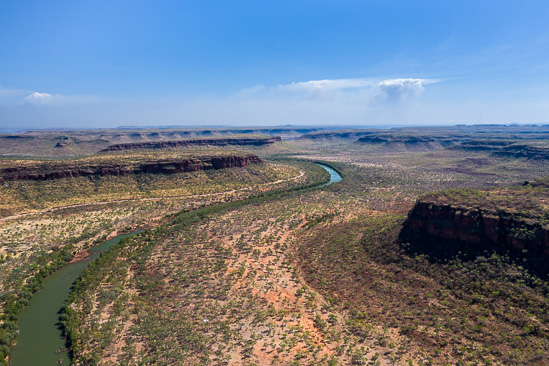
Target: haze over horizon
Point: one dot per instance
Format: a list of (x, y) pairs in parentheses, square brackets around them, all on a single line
[(75, 64)]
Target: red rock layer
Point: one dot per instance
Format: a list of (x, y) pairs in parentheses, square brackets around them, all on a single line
[(194, 142), (45, 172), (478, 227)]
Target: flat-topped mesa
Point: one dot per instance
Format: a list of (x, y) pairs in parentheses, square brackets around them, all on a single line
[(244, 141), (447, 223), (408, 141), (508, 148), (328, 135), (524, 151), (48, 171)]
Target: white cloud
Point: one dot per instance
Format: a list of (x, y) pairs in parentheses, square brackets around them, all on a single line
[(327, 89), (329, 85), (401, 89), (333, 101), (40, 98), (328, 101), (360, 90), (37, 98)]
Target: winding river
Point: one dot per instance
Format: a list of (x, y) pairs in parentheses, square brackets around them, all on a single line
[(334, 176), (40, 341)]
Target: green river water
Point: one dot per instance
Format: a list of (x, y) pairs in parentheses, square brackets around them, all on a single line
[(40, 342), (334, 176)]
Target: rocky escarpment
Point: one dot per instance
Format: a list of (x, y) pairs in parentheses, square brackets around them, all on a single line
[(507, 148), (408, 141), (259, 141), (334, 134), (478, 229), (483, 145), (46, 171), (524, 151)]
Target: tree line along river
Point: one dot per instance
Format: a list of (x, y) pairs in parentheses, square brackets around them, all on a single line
[(40, 340)]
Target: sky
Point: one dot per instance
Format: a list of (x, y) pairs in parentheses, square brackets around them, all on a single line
[(87, 64)]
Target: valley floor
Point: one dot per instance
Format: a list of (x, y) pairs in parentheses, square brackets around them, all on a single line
[(291, 277), (313, 278)]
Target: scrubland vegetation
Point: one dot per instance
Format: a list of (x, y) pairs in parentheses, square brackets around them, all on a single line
[(72, 214), (280, 274), (356, 290), (24, 196), (527, 200)]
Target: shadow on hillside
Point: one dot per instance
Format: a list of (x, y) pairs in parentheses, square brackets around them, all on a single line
[(439, 250)]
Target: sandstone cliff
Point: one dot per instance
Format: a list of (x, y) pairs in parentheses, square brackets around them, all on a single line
[(259, 141), (508, 148), (406, 141), (478, 228), (45, 171)]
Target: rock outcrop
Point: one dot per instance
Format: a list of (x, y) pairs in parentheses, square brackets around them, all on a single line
[(395, 141), (478, 228), (329, 135), (46, 171), (259, 141), (483, 145), (507, 148), (524, 151)]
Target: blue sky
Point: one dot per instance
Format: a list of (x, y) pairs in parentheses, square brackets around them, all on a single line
[(113, 63)]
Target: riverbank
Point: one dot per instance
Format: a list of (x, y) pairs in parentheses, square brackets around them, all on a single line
[(56, 290), (141, 281)]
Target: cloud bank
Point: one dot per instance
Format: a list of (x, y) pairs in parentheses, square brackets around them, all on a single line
[(328, 85), (361, 101), (326, 101), (367, 91)]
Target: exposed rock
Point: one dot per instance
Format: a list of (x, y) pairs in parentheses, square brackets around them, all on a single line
[(57, 171), (483, 145), (373, 139), (478, 228), (17, 137), (506, 148), (524, 151), (334, 134), (404, 141), (194, 142)]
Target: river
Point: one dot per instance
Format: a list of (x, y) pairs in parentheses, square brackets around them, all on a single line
[(334, 176), (40, 341)]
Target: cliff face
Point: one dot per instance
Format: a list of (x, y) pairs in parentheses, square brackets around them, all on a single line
[(483, 145), (45, 172), (335, 134), (524, 151), (409, 141), (478, 228), (195, 142)]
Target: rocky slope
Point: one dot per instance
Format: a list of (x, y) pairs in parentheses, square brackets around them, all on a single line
[(408, 142), (342, 134), (509, 219), (259, 141), (537, 150), (479, 227), (45, 171), (524, 151)]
